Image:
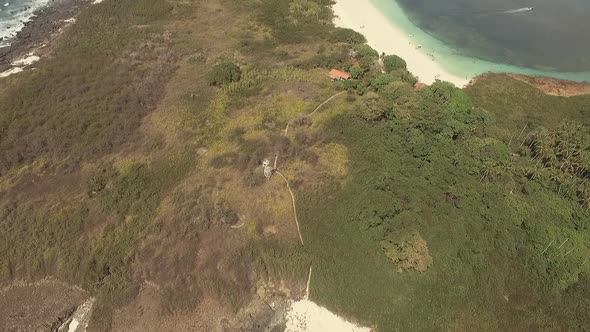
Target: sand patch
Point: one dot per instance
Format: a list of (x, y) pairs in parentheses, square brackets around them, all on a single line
[(28, 60), (306, 316), (11, 71), (18, 65)]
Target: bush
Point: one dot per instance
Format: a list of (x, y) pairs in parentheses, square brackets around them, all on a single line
[(393, 62), (254, 178), (408, 252), (408, 77), (365, 51), (372, 108), (224, 73), (96, 184), (356, 71), (349, 85), (224, 214), (323, 60), (347, 36), (383, 80), (400, 96), (451, 106)]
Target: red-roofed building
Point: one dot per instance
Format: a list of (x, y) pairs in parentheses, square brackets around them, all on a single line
[(339, 75)]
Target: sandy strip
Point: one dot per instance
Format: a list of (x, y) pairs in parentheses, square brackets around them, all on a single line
[(18, 65), (383, 36), (29, 59), (11, 71), (306, 316)]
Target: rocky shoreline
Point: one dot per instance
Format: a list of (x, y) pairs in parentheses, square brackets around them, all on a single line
[(41, 30), (555, 87)]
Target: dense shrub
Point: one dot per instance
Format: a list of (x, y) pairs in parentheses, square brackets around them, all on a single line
[(401, 96), (329, 60), (383, 80), (372, 108), (393, 62), (444, 109), (254, 178), (96, 183), (224, 73), (356, 71), (365, 51), (347, 36), (408, 77)]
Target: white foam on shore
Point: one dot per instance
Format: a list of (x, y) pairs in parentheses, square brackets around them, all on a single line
[(24, 13), (364, 17), (307, 316)]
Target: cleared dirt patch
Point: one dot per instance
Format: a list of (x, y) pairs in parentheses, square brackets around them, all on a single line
[(37, 306)]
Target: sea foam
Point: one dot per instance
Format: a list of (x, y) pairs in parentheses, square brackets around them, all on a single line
[(14, 15)]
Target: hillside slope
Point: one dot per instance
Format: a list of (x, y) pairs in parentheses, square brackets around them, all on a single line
[(131, 167)]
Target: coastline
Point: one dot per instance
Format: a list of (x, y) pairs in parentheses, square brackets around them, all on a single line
[(434, 60), (18, 15), (45, 25), (385, 37)]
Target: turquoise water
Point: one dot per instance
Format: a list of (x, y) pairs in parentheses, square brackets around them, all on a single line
[(459, 34)]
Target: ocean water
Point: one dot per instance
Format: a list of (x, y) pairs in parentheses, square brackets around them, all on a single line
[(13, 15), (470, 37)]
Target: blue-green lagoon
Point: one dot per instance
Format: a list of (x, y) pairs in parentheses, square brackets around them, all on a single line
[(540, 37)]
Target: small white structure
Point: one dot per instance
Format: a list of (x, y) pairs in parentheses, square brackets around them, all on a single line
[(267, 169)]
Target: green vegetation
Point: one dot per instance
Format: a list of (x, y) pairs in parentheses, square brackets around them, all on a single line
[(131, 159), (350, 36), (486, 223), (224, 73), (393, 62)]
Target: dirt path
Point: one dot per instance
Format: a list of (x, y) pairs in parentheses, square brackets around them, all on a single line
[(307, 285), (284, 178), (294, 207), (315, 110)]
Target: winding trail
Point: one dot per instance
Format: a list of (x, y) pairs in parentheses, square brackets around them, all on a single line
[(284, 178), (315, 110), (294, 208), (239, 226), (308, 282), (275, 170)]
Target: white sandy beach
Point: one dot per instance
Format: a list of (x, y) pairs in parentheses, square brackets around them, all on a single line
[(362, 16), (306, 316)]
